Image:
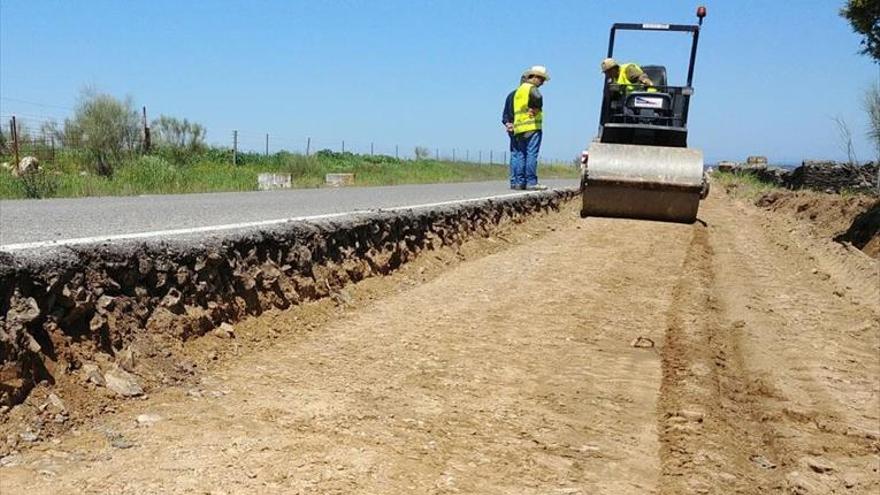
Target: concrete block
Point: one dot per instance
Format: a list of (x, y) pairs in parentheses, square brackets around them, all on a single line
[(338, 180), (268, 182)]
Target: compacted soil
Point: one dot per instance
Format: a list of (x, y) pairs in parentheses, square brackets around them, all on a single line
[(590, 356)]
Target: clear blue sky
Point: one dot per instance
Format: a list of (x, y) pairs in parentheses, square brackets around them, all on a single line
[(770, 76)]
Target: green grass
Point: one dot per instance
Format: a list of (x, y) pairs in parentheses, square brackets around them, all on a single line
[(212, 171), (744, 186)]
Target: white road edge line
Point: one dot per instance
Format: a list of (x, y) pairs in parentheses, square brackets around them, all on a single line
[(233, 226)]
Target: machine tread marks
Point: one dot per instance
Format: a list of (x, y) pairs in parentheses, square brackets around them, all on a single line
[(708, 412)]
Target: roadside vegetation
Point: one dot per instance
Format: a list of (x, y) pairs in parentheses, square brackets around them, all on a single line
[(104, 150), (742, 185), (212, 171)]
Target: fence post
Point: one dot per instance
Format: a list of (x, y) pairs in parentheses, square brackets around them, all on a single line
[(371, 149), (234, 147), (343, 145), (52, 143), (147, 140), (480, 159), (453, 154), (267, 144), (505, 157), (396, 154), (308, 145), (467, 155), (490, 157), (437, 154), (14, 132)]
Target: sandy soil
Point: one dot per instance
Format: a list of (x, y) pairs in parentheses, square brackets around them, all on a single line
[(853, 219), (577, 356)]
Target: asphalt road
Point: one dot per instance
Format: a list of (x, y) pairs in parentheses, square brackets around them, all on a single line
[(60, 220)]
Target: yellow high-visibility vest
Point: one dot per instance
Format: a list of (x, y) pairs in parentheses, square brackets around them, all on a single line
[(627, 85), (522, 121)]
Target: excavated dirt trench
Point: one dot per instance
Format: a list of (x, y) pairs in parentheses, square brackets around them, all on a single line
[(561, 356), (93, 308)]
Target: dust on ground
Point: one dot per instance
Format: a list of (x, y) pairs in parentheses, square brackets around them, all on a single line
[(575, 356)]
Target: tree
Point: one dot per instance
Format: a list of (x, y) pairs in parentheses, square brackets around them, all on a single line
[(180, 134), (872, 104), (846, 140), (70, 135), (864, 17), (105, 127), (422, 153)]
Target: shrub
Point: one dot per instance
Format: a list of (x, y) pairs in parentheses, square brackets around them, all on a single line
[(422, 153), (213, 155), (106, 128), (178, 133), (335, 155), (380, 159), (249, 158), (38, 184)]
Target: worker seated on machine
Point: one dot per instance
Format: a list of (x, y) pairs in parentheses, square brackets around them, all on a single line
[(622, 81), (627, 77)]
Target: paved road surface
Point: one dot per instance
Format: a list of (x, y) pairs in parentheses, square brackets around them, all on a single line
[(29, 221)]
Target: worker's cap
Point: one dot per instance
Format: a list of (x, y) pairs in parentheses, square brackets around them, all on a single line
[(537, 70), (609, 63)]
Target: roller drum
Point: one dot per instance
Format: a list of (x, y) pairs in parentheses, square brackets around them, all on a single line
[(645, 182)]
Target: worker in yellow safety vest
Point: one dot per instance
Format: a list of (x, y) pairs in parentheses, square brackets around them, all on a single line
[(630, 77), (528, 120)]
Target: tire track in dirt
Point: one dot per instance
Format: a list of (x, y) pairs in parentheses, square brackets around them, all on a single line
[(770, 368), (708, 416), (810, 328)]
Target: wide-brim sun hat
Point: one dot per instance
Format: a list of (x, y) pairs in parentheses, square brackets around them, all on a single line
[(537, 70), (608, 63)]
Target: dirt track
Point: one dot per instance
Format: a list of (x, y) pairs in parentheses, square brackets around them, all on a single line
[(514, 371)]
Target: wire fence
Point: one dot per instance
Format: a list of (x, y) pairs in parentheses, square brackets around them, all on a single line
[(43, 134), (22, 139), (268, 143)]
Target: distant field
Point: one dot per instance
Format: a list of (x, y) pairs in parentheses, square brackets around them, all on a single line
[(155, 174)]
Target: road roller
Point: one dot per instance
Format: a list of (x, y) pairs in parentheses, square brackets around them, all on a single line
[(639, 166)]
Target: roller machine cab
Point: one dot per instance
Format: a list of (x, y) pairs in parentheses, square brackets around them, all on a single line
[(639, 166)]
